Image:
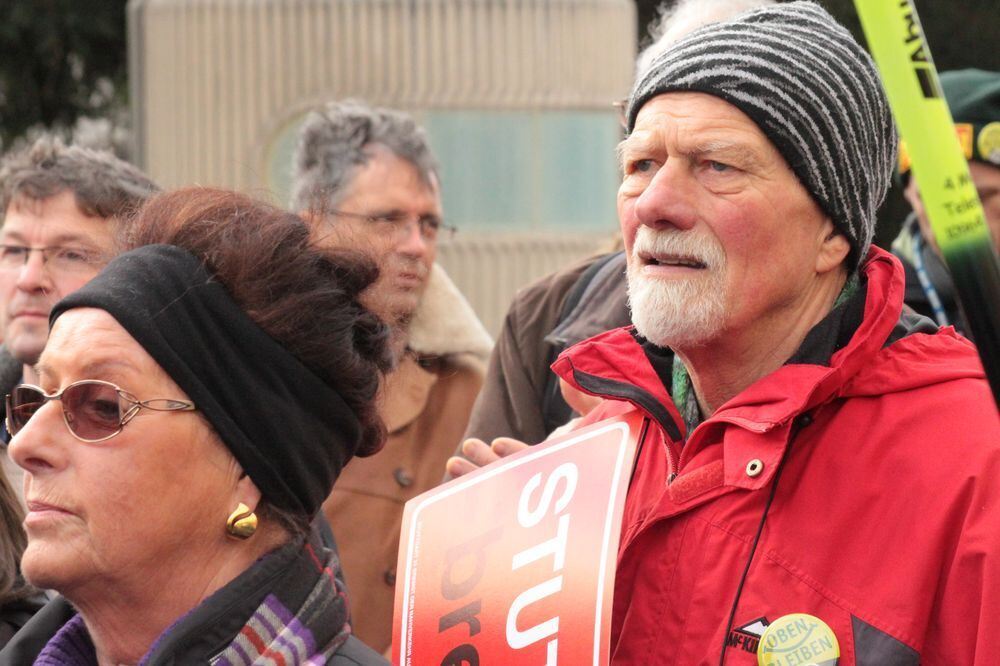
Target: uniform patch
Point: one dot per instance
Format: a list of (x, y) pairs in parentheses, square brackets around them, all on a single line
[(989, 143), (965, 133), (748, 636), (798, 640)]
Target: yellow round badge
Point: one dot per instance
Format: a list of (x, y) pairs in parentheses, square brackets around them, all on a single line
[(989, 143), (798, 640)]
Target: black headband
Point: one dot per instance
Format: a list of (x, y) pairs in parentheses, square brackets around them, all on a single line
[(291, 432)]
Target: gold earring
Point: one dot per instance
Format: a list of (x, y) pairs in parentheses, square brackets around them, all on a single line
[(242, 523)]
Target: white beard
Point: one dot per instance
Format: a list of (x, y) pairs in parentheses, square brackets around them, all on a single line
[(678, 313)]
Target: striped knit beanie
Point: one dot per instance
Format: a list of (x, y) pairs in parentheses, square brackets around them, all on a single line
[(811, 89)]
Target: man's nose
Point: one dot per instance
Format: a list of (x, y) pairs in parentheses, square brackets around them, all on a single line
[(668, 199), (34, 274), (412, 241)]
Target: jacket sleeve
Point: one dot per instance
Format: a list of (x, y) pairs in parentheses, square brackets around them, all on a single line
[(511, 401), (509, 404)]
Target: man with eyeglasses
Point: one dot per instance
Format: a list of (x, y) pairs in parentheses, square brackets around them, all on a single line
[(365, 178), (60, 205)]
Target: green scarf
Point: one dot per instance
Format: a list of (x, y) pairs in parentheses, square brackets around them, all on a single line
[(682, 389)]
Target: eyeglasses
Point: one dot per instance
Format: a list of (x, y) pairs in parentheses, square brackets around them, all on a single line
[(93, 410), (397, 222), (57, 258)]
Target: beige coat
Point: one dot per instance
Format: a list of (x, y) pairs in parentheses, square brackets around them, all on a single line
[(426, 403)]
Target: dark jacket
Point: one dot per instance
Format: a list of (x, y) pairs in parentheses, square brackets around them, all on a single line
[(856, 483), (15, 614), (929, 287), (520, 396), (294, 580), (11, 372)]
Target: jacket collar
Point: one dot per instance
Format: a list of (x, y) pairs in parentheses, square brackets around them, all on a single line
[(444, 325), (405, 393), (769, 405), (444, 322)]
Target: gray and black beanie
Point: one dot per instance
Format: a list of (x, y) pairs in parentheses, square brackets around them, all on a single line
[(810, 87)]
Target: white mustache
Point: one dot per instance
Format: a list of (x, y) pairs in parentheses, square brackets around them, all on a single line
[(702, 247)]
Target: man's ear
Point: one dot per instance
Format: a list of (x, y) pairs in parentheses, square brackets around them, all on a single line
[(833, 250)]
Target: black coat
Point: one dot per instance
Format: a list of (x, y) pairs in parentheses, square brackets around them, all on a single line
[(15, 614)]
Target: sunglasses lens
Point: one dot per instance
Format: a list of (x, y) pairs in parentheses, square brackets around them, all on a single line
[(23, 404), (93, 410)]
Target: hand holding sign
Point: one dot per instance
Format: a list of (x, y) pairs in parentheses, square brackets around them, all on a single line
[(480, 454), (514, 563)]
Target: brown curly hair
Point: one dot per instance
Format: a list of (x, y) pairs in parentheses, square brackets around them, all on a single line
[(303, 296)]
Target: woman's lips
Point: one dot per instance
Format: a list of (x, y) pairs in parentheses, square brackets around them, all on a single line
[(40, 512)]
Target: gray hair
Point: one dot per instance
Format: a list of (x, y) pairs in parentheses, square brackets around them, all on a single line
[(335, 141), (104, 185), (677, 20)]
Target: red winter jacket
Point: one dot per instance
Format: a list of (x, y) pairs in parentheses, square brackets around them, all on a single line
[(873, 482)]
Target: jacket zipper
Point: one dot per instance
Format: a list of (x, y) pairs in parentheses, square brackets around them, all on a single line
[(644, 400), (801, 421)]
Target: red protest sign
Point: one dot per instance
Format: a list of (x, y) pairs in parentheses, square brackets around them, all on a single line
[(515, 562)]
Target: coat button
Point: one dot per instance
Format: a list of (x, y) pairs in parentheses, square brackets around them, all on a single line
[(755, 467), (390, 577), (402, 478)]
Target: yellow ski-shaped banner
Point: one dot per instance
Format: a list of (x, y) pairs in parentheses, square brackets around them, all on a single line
[(897, 43)]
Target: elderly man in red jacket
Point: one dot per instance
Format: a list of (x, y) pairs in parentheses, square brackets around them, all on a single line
[(817, 478)]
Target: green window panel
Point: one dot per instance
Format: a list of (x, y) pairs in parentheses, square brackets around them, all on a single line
[(510, 171)]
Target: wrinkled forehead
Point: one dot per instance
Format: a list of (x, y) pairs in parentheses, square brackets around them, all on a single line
[(381, 153), (698, 122), (54, 220), (387, 180), (35, 203), (88, 343)]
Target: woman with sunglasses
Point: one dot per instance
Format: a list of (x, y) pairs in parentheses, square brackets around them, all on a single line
[(196, 401)]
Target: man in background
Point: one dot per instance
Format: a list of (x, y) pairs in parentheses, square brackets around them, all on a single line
[(61, 206), (365, 179), (973, 96)]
